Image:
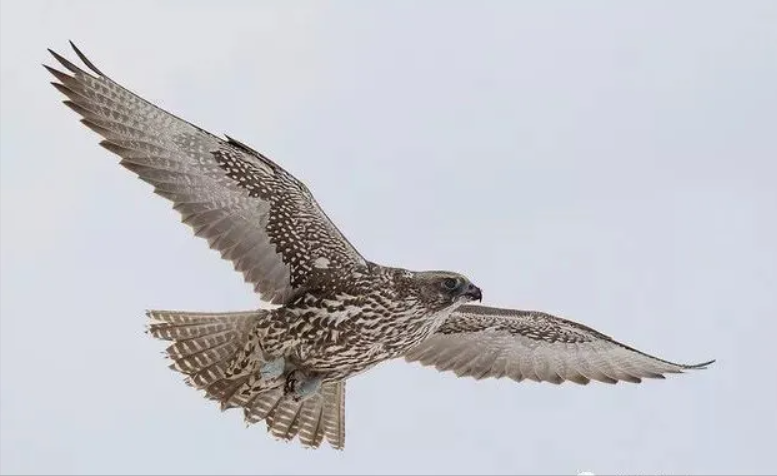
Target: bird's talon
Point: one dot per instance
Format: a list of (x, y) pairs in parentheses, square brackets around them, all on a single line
[(308, 387), (273, 368), (300, 386)]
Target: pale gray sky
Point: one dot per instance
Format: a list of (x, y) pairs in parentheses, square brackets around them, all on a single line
[(611, 162)]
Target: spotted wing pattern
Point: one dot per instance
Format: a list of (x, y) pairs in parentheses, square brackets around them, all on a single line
[(248, 208), (482, 342)]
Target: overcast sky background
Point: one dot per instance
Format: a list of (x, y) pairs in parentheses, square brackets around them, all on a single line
[(610, 162)]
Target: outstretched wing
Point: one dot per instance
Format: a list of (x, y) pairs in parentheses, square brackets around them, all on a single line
[(481, 342), (252, 211)]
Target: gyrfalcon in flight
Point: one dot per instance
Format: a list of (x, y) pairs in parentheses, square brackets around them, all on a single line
[(338, 313)]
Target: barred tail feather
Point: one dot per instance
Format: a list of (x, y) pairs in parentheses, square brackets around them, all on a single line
[(203, 347), (312, 420), (203, 342)]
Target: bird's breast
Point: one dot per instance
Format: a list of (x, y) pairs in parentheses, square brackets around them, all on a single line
[(342, 335)]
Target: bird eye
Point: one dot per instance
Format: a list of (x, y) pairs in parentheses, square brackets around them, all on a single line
[(450, 284)]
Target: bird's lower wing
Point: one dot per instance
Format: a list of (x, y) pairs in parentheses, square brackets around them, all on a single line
[(248, 208), (482, 342)]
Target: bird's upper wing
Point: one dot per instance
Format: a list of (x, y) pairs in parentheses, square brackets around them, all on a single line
[(252, 211), (481, 342)]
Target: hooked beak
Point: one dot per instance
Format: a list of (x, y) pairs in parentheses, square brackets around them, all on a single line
[(473, 293)]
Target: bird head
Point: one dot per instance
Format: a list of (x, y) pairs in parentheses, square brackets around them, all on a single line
[(445, 288)]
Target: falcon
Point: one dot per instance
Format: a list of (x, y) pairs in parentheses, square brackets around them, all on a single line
[(336, 313)]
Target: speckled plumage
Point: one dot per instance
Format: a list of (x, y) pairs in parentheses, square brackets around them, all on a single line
[(339, 314)]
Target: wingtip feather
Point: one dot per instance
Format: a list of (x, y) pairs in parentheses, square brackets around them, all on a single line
[(700, 366), (56, 73), (71, 66), (85, 60), (65, 62)]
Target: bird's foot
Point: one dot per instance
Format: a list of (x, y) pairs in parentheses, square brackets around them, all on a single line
[(301, 386), (273, 368)]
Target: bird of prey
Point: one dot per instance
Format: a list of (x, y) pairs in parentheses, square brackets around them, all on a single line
[(338, 314)]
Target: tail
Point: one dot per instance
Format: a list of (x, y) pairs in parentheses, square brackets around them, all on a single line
[(204, 345)]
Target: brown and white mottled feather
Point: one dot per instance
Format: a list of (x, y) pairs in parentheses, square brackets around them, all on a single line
[(248, 208), (482, 342)]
